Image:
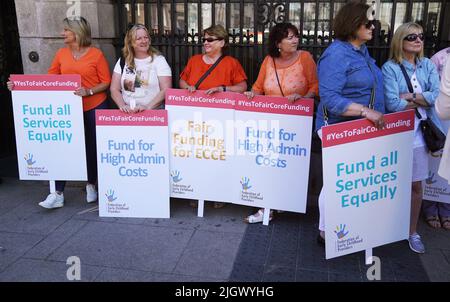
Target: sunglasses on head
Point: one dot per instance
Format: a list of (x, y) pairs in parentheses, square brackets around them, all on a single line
[(369, 24), (413, 37), (132, 25), (211, 39)]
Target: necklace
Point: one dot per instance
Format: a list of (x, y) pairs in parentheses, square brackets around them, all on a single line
[(78, 54)]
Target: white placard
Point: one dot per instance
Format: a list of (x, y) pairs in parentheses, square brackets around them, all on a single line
[(133, 164), (48, 120), (367, 183)]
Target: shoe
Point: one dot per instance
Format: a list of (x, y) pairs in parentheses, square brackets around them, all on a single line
[(320, 239), (91, 193), (433, 221), (53, 201), (258, 217), (415, 243), (218, 205), (445, 223)]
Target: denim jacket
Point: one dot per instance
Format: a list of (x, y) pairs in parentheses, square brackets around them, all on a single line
[(345, 78), (395, 84)]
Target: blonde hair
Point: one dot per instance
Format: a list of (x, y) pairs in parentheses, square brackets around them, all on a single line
[(219, 32), (396, 51), (81, 28), (128, 50)]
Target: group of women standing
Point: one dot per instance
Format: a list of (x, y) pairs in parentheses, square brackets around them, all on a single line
[(347, 81)]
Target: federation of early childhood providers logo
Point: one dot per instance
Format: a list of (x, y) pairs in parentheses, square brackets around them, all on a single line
[(430, 180), (340, 231), (32, 169), (110, 196), (344, 240), (245, 182), (176, 178), (29, 159), (246, 194)]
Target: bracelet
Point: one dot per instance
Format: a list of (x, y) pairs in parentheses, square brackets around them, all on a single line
[(363, 112), (91, 92)]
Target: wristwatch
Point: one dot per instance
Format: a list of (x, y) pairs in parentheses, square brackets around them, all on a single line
[(224, 88), (414, 96), (91, 92)]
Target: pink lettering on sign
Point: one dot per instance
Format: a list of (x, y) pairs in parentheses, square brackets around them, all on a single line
[(363, 129), (46, 82), (118, 118)]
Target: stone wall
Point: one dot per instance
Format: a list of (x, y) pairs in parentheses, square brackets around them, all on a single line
[(40, 27)]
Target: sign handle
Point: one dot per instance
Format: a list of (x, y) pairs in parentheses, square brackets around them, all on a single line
[(369, 257), (266, 216), (52, 184), (200, 208)]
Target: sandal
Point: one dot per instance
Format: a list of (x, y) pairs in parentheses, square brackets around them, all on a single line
[(445, 223), (218, 205), (434, 222), (257, 217)]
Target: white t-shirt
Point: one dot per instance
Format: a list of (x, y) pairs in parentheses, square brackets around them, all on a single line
[(418, 136), (142, 85)]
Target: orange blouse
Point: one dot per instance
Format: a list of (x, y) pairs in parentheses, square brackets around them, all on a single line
[(92, 67), (228, 72), (300, 77)]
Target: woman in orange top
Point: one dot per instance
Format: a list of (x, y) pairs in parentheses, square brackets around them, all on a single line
[(228, 75), (79, 57), (286, 72)]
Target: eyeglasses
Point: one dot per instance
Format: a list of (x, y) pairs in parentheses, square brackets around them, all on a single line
[(369, 24), (413, 37), (211, 39)]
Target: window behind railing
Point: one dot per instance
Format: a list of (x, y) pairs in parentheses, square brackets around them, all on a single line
[(176, 26)]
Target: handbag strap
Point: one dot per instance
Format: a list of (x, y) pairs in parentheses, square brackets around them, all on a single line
[(276, 73), (210, 69), (372, 92), (410, 87)]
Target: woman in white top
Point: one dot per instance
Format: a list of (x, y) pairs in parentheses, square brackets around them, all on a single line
[(142, 82)]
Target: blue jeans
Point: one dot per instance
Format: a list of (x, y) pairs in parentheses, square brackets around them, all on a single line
[(91, 146)]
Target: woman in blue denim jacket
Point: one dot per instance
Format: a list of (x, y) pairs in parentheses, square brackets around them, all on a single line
[(407, 50), (347, 75)]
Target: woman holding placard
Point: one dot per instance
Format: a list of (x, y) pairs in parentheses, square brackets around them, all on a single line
[(350, 83), (412, 82), (142, 75), (213, 71), (79, 57), (286, 72)]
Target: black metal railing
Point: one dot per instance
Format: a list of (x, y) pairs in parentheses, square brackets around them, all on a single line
[(176, 26)]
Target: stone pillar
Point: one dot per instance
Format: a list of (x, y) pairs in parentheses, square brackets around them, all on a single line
[(40, 26)]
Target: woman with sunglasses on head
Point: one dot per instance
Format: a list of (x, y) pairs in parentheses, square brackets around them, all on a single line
[(142, 75), (407, 52), (350, 83), (286, 71), (80, 57), (226, 72)]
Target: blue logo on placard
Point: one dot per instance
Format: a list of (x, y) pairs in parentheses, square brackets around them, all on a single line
[(430, 180), (245, 182), (340, 231), (29, 159), (176, 176), (110, 195)]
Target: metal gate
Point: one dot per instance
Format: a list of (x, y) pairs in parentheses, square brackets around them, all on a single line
[(176, 26)]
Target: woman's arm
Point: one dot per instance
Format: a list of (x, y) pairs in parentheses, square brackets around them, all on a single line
[(165, 83), (116, 93)]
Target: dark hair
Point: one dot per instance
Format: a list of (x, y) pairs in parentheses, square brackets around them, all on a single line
[(348, 20), (278, 33)]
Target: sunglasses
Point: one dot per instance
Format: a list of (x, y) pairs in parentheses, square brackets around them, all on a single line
[(135, 25), (413, 37), (210, 39), (369, 24)]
